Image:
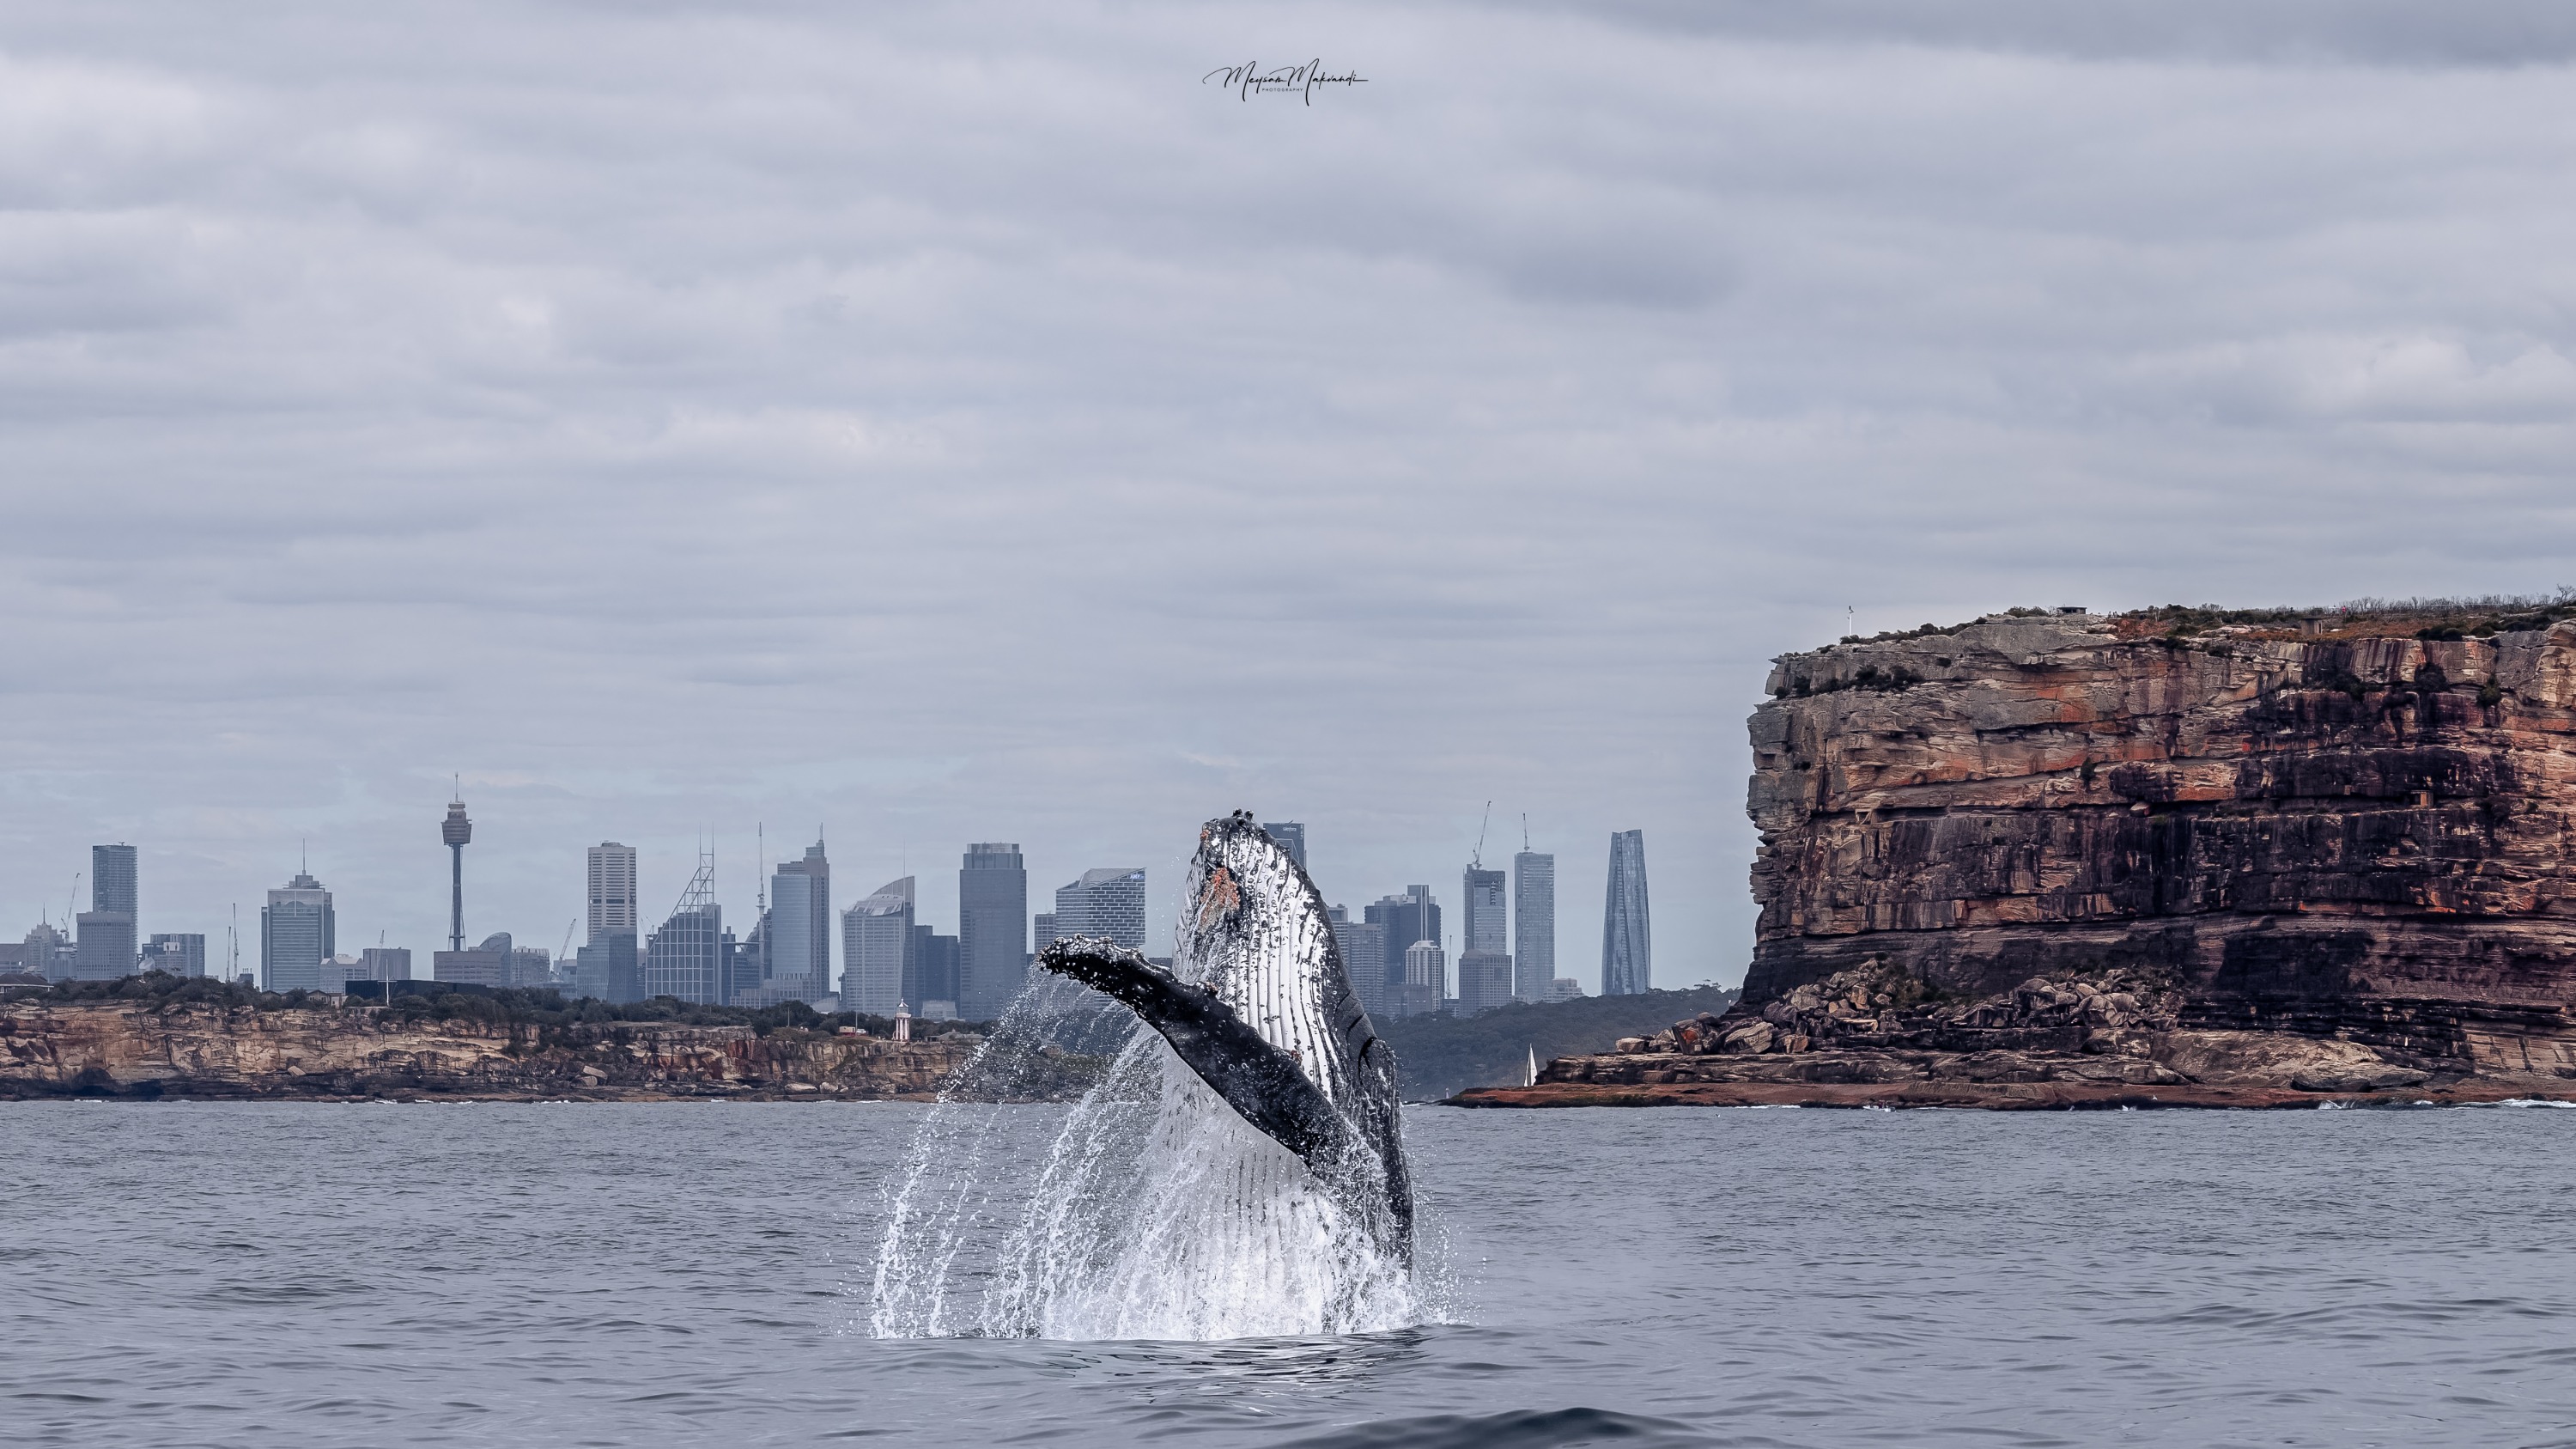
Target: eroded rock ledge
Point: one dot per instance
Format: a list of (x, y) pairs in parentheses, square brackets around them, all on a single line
[(1875, 1037), (119, 1049), (2051, 859)]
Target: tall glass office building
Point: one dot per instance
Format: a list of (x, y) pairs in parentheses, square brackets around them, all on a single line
[(686, 956), (106, 947), (1363, 948), (800, 927), (296, 935), (1627, 943), (612, 891), (1108, 905), (1533, 925), (876, 950), (992, 929), (689, 956), (1485, 926)]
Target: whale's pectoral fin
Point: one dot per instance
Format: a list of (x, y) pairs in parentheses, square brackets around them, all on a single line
[(1262, 1084)]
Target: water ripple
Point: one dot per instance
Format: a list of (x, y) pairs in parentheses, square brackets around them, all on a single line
[(251, 1275)]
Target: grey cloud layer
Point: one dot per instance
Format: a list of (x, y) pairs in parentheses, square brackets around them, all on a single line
[(964, 424)]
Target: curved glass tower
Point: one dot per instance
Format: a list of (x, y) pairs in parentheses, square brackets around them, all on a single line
[(1627, 942)]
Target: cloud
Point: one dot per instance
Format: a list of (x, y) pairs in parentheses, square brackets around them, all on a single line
[(2378, 32), (961, 424)]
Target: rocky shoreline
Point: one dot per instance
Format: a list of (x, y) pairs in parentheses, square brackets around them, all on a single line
[(342, 1053), (2001, 1097), (1879, 1038), (1886, 1040)]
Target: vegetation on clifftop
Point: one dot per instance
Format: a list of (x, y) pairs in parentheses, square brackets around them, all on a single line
[(2478, 617), (2423, 618), (424, 1001)]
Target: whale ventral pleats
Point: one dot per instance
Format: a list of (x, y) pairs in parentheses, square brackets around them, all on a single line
[(1274, 1027)]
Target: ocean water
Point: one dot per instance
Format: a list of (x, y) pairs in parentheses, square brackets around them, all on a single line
[(236, 1274)]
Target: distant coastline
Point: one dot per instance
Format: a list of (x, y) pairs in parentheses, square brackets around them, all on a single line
[(154, 1036)]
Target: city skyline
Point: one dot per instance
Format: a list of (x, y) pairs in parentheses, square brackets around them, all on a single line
[(612, 868)]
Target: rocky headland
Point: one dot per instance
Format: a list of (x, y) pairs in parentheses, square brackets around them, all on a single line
[(2177, 857), (326, 1051)]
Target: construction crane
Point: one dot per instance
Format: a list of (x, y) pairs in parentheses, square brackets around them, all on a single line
[(1476, 859), (569, 927)]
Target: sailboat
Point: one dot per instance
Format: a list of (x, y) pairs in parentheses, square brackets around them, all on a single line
[(1533, 1068)]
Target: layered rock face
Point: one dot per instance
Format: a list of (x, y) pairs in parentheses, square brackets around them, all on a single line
[(115, 1048), (2320, 830)]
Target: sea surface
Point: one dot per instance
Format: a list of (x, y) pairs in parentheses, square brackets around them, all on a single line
[(270, 1275)]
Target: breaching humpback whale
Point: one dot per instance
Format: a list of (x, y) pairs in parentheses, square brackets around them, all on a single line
[(1266, 1016)]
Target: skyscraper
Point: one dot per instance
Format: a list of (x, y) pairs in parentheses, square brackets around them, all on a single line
[(931, 985), (1484, 981), (612, 970), (297, 933), (1484, 960), (112, 882), (106, 943), (686, 956), (1533, 925), (1363, 948), (1425, 981), (1484, 923), (1405, 919), (1106, 904), (608, 965), (1291, 835), (1627, 944), (800, 927), (876, 950), (612, 891), (992, 929)]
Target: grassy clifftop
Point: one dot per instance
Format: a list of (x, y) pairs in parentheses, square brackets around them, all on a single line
[(2424, 618)]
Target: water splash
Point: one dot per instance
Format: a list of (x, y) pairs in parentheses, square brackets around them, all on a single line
[(1154, 1212)]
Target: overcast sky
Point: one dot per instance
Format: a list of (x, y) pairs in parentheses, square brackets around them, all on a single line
[(966, 424)]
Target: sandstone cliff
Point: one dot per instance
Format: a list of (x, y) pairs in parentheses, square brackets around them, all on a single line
[(54, 1049), (2319, 854)]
